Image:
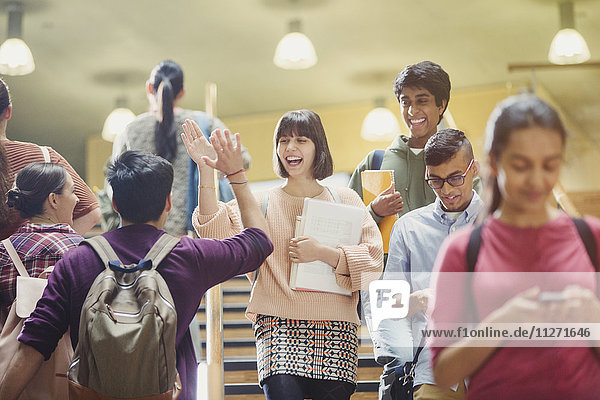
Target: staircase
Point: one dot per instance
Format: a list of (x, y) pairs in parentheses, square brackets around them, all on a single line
[(241, 379)]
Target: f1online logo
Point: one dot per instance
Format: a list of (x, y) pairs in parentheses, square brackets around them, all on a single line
[(388, 299)]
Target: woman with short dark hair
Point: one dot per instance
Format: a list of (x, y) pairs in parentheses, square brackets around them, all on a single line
[(307, 341)]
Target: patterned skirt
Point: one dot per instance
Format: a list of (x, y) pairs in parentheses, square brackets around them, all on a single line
[(312, 349)]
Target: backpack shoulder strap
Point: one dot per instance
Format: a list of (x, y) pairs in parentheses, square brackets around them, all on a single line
[(473, 247), (377, 159), (103, 249), (15, 257), (46, 153), (161, 249), (588, 240), (264, 204), (334, 194)]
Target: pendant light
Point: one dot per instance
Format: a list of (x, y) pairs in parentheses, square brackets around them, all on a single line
[(117, 120), (568, 46), (15, 57), (295, 50), (380, 124)]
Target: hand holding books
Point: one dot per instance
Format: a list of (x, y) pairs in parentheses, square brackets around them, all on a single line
[(304, 249)]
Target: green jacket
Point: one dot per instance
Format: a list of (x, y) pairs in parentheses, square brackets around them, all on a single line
[(409, 176)]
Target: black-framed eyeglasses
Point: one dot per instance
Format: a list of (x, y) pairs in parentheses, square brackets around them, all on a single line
[(456, 180)]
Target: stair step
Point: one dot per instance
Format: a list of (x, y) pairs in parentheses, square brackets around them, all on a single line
[(355, 396), (235, 307), (248, 363), (250, 341), (253, 388), (251, 376)]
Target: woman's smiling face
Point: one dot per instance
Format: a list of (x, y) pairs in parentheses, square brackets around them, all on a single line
[(297, 154)]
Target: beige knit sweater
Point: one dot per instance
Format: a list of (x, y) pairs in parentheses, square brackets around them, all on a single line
[(272, 295)]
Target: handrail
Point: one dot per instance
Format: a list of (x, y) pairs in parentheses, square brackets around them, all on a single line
[(564, 202), (214, 300)]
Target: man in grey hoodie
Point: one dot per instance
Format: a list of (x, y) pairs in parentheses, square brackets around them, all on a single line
[(423, 91)]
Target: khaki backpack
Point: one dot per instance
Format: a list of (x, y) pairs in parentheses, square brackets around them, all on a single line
[(127, 330)]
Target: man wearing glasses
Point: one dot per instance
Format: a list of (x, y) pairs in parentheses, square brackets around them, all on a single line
[(414, 244)]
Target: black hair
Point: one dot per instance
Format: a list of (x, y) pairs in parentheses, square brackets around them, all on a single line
[(4, 186), (33, 185), (4, 96), (308, 124), (425, 75), (444, 144), (512, 114), (167, 81), (141, 183)]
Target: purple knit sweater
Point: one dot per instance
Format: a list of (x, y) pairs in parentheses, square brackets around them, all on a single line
[(192, 267)]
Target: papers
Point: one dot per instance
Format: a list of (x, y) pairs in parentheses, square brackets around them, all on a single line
[(331, 224), (373, 183)]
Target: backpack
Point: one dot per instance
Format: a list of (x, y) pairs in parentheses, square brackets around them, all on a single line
[(583, 230), (127, 330)]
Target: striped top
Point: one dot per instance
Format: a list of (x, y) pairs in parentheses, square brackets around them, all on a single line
[(21, 154), (272, 295)]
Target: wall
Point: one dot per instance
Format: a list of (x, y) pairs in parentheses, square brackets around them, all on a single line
[(470, 109)]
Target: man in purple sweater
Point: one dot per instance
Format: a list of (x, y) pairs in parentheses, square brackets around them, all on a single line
[(141, 184)]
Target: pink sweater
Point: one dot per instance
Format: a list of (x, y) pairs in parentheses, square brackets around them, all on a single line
[(272, 294), (520, 372)]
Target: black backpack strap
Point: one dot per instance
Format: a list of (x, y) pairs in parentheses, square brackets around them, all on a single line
[(377, 159), (473, 247), (103, 249), (588, 240), (161, 249)]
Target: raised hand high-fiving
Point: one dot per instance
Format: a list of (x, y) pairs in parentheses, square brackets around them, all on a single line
[(195, 142)]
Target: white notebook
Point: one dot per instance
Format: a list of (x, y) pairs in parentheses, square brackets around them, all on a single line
[(331, 224)]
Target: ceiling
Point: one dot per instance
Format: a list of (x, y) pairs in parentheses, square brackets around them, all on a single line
[(81, 47)]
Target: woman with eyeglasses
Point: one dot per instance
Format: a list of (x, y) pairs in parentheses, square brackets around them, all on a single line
[(533, 265)]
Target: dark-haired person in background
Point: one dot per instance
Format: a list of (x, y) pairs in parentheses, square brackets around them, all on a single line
[(4, 186), (20, 154), (157, 131), (416, 239), (44, 195), (141, 185)]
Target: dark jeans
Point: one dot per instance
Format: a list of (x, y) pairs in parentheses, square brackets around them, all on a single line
[(292, 387)]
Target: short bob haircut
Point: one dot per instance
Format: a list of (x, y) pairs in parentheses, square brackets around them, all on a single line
[(308, 124), (141, 183)]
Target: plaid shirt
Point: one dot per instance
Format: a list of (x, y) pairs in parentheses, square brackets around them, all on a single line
[(38, 246)]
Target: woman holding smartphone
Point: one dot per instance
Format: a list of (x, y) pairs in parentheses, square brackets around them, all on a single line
[(522, 233)]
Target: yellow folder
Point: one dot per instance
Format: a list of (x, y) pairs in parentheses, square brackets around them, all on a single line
[(373, 183)]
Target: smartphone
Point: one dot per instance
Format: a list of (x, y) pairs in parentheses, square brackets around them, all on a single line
[(546, 297)]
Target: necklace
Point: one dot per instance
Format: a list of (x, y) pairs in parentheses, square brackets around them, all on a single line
[(41, 217)]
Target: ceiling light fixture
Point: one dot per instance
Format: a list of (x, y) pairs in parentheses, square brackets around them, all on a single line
[(568, 46), (295, 50), (380, 124), (117, 120), (15, 57)]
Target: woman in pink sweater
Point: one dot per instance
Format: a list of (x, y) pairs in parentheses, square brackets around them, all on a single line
[(532, 269), (307, 342)]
